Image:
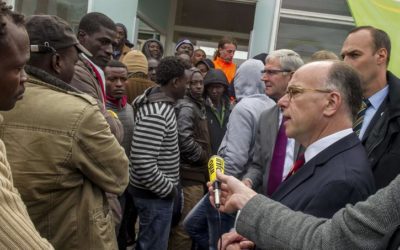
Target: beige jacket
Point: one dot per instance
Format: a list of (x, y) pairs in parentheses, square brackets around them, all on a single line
[(17, 230), (64, 159)]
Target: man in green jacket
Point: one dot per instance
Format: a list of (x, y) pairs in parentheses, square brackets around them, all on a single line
[(63, 153)]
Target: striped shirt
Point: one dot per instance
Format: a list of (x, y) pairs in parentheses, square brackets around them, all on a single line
[(154, 157)]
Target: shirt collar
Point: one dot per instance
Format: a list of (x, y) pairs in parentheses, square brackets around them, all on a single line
[(321, 144), (377, 98)]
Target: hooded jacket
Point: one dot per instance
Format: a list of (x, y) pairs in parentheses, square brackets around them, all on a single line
[(237, 147), (217, 121), (154, 158), (64, 158), (146, 50)]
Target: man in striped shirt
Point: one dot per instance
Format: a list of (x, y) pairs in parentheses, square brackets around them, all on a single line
[(154, 158)]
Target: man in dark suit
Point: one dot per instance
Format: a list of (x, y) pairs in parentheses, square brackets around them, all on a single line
[(367, 49), (320, 102)]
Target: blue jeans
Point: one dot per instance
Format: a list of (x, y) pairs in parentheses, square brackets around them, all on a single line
[(202, 224), (155, 217)]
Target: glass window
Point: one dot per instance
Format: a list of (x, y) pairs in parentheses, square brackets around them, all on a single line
[(305, 37), (70, 10), (336, 7)]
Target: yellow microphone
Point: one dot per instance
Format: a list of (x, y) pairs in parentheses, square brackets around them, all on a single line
[(216, 163)]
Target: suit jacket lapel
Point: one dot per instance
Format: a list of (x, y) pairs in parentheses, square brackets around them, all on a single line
[(294, 181), (307, 171), (374, 120), (269, 130)]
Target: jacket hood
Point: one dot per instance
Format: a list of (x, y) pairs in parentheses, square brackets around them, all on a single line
[(209, 64), (152, 95), (248, 79), (146, 50), (215, 76)]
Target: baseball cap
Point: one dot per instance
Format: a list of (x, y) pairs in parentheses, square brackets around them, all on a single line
[(48, 33)]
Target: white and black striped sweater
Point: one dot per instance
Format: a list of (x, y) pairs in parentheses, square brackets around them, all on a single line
[(154, 157)]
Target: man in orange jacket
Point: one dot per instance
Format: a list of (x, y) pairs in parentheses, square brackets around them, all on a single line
[(223, 60)]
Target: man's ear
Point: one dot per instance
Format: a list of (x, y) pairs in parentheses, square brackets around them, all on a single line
[(334, 103), (382, 55), (56, 63), (81, 36)]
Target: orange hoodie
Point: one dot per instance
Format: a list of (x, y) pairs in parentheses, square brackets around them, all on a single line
[(229, 68)]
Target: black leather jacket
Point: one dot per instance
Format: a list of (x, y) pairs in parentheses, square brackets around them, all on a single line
[(194, 142)]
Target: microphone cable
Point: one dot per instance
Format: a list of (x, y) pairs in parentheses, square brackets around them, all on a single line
[(219, 229)]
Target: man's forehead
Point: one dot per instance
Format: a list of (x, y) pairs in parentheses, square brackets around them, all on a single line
[(272, 62), (116, 70), (359, 40), (104, 32)]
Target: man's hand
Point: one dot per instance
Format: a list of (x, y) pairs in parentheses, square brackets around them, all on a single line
[(247, 182), (234, 194), (234, 241)]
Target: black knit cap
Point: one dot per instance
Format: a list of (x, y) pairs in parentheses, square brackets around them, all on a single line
[(48, 33)]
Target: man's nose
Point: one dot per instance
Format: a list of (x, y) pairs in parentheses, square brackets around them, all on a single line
[(284, 101)]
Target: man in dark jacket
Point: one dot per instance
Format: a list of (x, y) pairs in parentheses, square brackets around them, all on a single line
[(218, 106), (194, 146), (367, 49)]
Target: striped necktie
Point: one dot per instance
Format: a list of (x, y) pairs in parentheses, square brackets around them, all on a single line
[(360, 116)]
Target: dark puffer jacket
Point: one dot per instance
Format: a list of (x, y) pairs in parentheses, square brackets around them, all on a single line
[(194, 141)]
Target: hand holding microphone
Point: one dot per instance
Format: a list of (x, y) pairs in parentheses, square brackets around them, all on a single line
[(216, 163), (235, 194)]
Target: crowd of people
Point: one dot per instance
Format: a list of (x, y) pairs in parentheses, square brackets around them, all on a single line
[(104, 146)]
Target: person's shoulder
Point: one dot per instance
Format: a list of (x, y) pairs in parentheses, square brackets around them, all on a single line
[(184, 102), (270, 111), (87, 99), (83, 72)]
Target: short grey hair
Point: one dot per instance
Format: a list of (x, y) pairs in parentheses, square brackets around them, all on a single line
[(288, 59)]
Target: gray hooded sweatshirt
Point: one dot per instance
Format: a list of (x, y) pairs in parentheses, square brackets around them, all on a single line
[(237, 147)]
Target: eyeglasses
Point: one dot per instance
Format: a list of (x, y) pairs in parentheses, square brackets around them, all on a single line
[(293, 90), (272, 72)]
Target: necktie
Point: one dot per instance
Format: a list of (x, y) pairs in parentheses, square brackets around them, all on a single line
[(277, 161), (296, 166), (360, 116)]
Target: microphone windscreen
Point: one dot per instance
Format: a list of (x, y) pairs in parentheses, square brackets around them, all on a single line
[(215, 162)]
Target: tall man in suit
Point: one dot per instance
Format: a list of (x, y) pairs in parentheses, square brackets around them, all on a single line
[(318, 109), (367, 49)]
